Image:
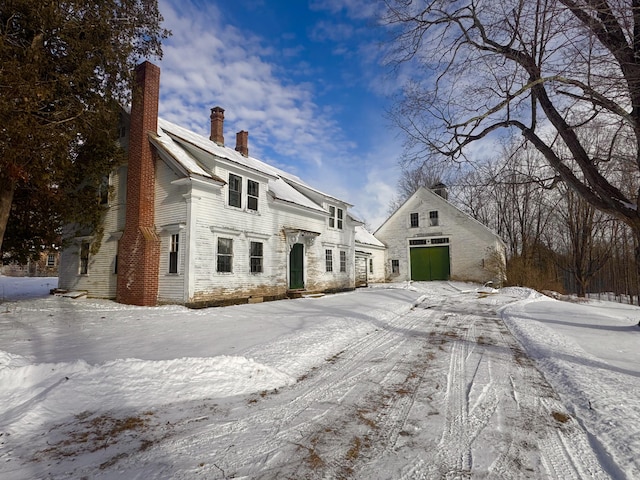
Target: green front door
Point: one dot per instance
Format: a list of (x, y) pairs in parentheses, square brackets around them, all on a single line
[(430, 263), (296, 267)]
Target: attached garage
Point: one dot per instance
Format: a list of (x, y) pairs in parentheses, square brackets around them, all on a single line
[(430, 263)]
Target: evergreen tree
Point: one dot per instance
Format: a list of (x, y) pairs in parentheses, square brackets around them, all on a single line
[(65, 71)]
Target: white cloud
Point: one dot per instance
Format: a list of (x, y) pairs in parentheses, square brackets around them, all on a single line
[(209, 63)]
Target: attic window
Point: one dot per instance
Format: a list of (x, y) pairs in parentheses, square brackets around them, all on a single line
[(235, 190), (433, 218), (414, 220), (336, 216)]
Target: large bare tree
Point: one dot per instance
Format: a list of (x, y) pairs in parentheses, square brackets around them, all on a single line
[(546, 68)]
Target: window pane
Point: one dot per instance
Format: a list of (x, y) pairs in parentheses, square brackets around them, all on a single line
[(256, 249), (252, 188), (340, 218), (252, 203), (433, 218), (414, 220), (225, 246), (332, 215), (343, 261)]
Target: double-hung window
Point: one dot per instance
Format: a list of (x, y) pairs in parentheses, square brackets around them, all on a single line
[(253, 189), (433, 218), (328, 260), (414, 220), (343, 261), (51, 260), (336, 217), (395, 267), (225, 255), (173, 253), (235, 190), (255, 257)]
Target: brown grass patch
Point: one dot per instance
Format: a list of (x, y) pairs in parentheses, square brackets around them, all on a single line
[(560, 417)]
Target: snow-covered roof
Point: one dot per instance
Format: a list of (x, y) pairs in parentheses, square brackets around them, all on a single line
[(364, 237), (179, 143)]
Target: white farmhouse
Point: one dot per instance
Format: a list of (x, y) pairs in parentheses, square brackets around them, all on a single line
[(428, 238), (191, 221)]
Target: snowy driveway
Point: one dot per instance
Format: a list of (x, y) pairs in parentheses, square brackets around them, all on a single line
[(422, 382)]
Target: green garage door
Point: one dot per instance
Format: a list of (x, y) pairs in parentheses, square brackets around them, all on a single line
[(430, 263)]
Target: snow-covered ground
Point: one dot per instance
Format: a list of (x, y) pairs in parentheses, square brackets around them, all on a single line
[(398, 381)]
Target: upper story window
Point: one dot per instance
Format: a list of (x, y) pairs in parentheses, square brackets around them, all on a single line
[(336, 216), (414, 220), (433, 218), (235, 190), (253, 189), (173, 253)]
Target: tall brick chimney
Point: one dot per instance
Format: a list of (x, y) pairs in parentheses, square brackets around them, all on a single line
[(242, 142), (217, 125), (139, 247)]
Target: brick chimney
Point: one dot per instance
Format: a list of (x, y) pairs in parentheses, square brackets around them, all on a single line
[(242, 142), (217, 125), (139, 247)]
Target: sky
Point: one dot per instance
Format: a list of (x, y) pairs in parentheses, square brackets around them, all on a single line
[(401, 380), (304, 78)]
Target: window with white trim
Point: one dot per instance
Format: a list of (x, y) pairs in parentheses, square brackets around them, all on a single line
[(174, 247), (235, 190), (225, 255), (253, 189), (255, 257), (336, 217), (395, 267), (51, 260), (371, 265), (328, 259), (343, 261), (414, 220), (433, 218)]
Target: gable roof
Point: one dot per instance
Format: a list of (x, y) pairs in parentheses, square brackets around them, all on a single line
[(364, 237), (437, 198), (188, 150)]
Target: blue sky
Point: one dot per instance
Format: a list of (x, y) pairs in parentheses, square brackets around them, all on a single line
[(303, 77)]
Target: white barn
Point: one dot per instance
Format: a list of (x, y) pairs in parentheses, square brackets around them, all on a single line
[(428, 238)]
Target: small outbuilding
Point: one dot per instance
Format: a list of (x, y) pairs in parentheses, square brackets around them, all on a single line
[(428, 238)]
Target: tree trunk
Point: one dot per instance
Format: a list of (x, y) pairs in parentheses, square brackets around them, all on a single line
[(7, 189)]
